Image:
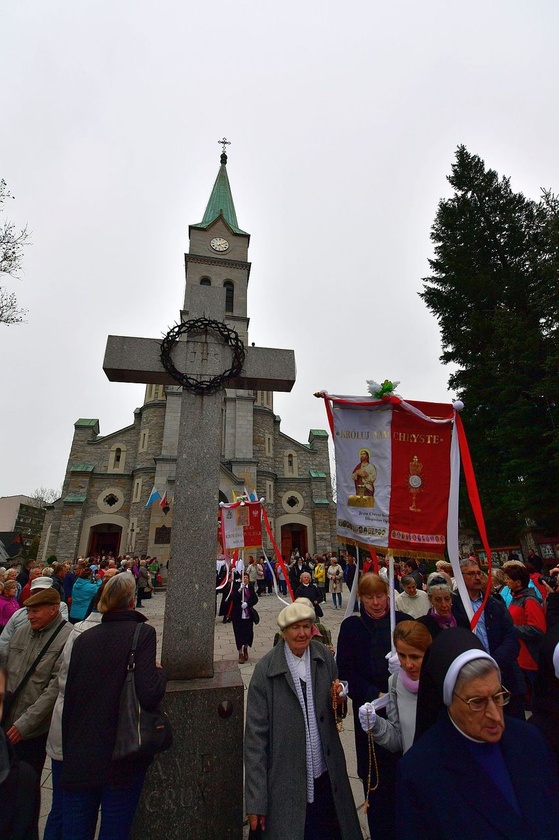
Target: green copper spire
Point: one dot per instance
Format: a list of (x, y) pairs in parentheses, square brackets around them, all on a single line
[(221, 201)]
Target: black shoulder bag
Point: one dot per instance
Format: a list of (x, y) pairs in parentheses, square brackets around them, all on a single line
[(139, 733), (11, 696)]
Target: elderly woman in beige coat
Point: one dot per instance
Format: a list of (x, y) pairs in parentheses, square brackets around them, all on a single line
[(296, 781)]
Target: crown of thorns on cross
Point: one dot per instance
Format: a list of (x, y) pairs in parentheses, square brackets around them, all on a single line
[(196, 326)]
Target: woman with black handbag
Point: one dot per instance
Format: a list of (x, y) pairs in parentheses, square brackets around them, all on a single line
[(242, 616), (96, 677)]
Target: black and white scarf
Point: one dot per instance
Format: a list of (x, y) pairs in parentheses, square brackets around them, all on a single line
[(300, 668)]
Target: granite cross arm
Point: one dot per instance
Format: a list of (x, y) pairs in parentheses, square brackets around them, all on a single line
[(131, 359)]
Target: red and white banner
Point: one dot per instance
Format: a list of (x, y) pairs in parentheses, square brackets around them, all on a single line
[(397, 474), (393, 472), (241, 525)]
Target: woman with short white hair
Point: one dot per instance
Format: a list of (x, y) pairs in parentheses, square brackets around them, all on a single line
[(307, 589), (296, 781), (440, 615)]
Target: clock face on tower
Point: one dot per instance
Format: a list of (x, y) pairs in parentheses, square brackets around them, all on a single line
[(219, 244)]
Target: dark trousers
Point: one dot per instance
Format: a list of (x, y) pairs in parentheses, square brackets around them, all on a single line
[(118, 806), (53, 828), (381, 815), (321, 820), (33, 751)]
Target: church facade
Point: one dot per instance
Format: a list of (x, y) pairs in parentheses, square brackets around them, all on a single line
[(109, 478)]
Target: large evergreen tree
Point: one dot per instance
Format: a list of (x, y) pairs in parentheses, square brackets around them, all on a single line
[(494, 288)]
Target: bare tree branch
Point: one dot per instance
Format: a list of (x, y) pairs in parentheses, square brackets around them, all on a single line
[(10, 313), (45, 495), (12, 245)]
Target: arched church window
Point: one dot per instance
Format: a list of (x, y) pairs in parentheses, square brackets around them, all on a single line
[(229, 295), (117, 458), (290, 466), (205, 281)]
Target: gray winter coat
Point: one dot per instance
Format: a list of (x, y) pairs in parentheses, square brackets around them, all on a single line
[(31, 712), (275, 761)]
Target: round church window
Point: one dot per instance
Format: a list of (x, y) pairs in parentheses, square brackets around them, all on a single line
[(110, 500), (292, 502)]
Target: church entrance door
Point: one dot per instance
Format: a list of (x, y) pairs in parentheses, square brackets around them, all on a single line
[(293, 535), (104, 538)]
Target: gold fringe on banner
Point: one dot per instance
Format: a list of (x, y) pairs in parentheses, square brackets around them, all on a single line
[(382, 551)]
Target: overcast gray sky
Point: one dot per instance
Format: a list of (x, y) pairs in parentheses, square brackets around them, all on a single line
[(344, 120)]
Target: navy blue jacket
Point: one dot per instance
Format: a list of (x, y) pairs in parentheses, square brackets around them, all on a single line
[(545, 700), (445, 794)]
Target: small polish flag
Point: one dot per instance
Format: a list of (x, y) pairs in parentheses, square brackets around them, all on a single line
[(153, 496)]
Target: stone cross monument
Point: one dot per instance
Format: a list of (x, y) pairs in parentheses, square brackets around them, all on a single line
[(204, 762)]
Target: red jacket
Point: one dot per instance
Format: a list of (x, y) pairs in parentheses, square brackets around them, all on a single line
[(529, 619)]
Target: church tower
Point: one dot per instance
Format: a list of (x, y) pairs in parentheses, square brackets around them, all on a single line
[(109, 478), (218, 257), (218, 254)]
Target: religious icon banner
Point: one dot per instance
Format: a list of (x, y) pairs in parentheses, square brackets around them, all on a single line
[(241, 525), (393, 474)]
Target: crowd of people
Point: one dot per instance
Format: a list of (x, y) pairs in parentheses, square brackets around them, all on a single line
[(241, 586), (442, 740), (434, 700), (15, 582), (56, 680)]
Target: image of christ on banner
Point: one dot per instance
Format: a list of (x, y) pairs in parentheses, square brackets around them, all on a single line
[(363, 473), (364, 476)]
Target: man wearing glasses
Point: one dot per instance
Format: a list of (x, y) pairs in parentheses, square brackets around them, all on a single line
[(495, 630)]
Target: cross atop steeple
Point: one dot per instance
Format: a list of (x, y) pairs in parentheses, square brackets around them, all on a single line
[(223, 143), (221, 199)]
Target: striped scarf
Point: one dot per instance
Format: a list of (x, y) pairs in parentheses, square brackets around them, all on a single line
[(316, 765)]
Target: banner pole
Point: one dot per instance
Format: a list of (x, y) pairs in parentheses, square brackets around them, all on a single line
[(392, 601), (279, 558), (267, 560)]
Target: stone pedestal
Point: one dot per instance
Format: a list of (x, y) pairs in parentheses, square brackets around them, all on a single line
[(194, 791)]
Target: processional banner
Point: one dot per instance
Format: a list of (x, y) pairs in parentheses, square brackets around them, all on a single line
[(393, 473), (397, 477), (241, 525)]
